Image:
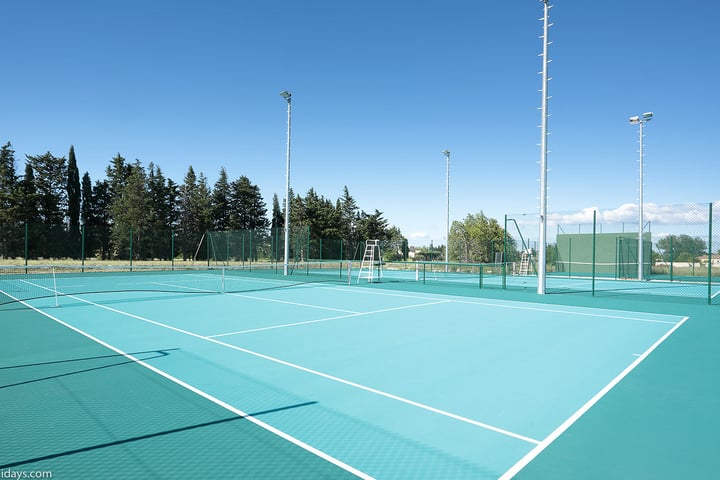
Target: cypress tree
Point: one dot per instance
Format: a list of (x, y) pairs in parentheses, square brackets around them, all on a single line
[(73, 204)]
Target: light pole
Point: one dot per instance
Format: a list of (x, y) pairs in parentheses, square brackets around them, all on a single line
[(641, 120), (541, 260), (286, 259), (447, 207)]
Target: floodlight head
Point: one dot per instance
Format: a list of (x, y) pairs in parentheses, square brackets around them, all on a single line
[(634, 120), (286, 95), (647, 116), (446, 153)]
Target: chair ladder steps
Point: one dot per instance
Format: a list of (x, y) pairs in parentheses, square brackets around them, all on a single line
[(371, 259)]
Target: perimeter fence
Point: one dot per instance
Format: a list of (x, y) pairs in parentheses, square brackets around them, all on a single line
[(595, 251), (36, 242)]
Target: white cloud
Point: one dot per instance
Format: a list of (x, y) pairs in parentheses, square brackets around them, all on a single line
[(419, 236), (690, 214)]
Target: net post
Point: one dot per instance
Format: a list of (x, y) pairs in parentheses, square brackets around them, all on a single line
[(349, 272), (222, 280)]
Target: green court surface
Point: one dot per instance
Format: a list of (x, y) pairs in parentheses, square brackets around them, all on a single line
[(278, 379)]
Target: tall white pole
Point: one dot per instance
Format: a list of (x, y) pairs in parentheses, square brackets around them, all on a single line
[(286, 260), (641, 120), (640, 225), (447, 209), (543, 157)]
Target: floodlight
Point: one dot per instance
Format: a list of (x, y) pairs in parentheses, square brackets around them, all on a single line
[(286, 95), (641, 120), (447, 208)]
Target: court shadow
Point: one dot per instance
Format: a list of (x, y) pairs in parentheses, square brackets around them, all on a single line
[(144, 356), (148, 436)]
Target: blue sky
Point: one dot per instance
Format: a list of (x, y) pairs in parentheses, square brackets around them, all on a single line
[(380, 89)]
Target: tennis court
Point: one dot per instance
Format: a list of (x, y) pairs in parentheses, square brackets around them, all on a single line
[(494, 275), (178, 374)]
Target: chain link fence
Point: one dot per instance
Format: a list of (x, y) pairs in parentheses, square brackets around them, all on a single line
[(600, 251)]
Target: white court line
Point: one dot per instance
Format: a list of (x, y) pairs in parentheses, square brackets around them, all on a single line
[(340, 317), (272, 300), (580, 311), (207, 396), (297, 304), (185, 287), (574, 417), (319, 374)]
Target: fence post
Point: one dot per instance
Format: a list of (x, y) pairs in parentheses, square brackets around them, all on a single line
[(26, 247), (504, 262), (131, 249), (671, 258), (172, 249), (82, 248), (593, 251), (710, 222)]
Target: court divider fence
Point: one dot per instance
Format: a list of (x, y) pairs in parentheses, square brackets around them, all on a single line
[(597, 251)]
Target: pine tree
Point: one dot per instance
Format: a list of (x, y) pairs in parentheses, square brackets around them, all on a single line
[(203, 206), (100, 225), (50, 178), (130, 211), (221, 202), (10, 234), (248, 210), (373, 226), (349, 217), (28, 206), (117, 174), (162, 215), (188, 223)]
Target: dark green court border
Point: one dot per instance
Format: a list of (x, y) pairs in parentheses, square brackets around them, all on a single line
[(80, 410), (661, 422)]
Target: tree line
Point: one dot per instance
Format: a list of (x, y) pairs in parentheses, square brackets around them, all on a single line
[(55, 213)]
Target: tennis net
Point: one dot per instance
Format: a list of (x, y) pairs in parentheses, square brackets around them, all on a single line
[(24, 283)]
